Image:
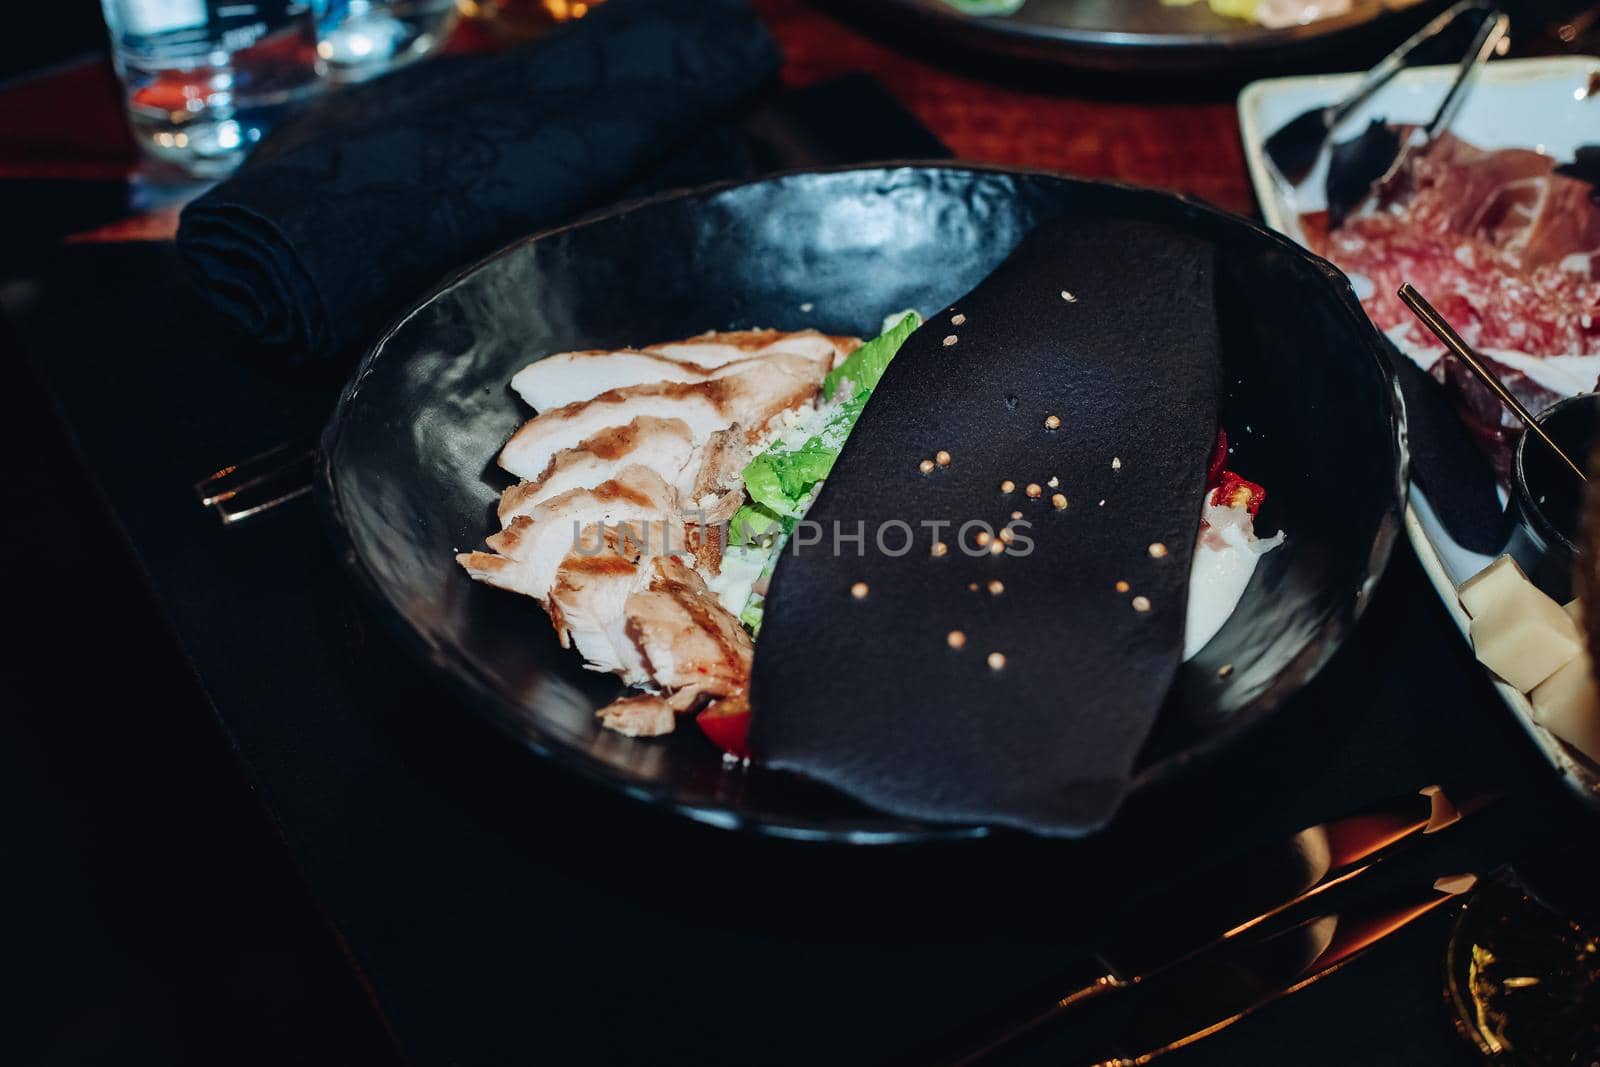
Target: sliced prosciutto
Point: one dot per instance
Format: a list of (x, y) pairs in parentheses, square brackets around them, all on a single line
[(1508, 250)]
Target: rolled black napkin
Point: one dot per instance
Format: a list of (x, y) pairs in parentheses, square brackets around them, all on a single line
[(1034, 715), (363, 203)]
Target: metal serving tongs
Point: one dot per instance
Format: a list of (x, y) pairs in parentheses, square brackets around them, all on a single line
[(1378, 155), (1297, 144)]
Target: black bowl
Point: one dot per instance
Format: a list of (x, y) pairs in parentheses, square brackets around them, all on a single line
[(1546, 496), (407, 477)]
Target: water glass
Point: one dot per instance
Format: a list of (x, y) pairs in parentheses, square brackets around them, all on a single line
[(358, 39), (205, 79)]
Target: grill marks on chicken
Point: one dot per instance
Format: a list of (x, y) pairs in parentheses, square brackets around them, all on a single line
[(572, 377), (588, 603), (636, 504), (750, 396), (664, 446), (627, 473), (718, 349), (686, 636)]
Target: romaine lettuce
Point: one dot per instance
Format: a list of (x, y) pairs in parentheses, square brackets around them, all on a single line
[(781, 479), (866, 364)]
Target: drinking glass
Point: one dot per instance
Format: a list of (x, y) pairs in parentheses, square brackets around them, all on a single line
[(205, 79), (358, 39)]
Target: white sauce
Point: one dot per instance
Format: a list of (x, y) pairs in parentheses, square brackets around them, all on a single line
[(1225, 557)]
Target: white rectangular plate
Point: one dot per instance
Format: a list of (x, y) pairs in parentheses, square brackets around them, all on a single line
[(1544, 104)]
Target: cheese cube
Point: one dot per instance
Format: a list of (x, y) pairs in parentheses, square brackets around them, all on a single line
[(1503, 583), (1568, 705), (1518, 632)]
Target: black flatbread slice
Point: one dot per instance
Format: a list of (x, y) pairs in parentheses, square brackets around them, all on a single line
[(866, 693)]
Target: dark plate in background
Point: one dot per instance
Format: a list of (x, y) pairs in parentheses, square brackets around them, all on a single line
[(407, 475), (1145, 35)]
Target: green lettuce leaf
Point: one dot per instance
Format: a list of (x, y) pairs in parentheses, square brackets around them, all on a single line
[(781, 480), (765, 486), (753, 522), (866, 364), (807, 465)]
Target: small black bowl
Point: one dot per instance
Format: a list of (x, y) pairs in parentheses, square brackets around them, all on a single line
[(1548, 498)]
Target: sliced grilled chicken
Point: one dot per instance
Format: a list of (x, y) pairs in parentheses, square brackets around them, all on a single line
[(588, 603), (715, 494), (568, 377), (649, 714), (684, 634), (750, 397), (663, 445), (531, 548), (722, 463), (645, 715), (656, 439), (502, 572), (714, 349), (577, 376)]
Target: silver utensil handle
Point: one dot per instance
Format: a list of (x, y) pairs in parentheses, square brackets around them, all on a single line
[(256, 485), (1490, 34), (1358, 861), (1400, 58), (1484, 43)]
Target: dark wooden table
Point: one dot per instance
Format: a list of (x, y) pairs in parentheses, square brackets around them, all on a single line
[(484, 918)]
